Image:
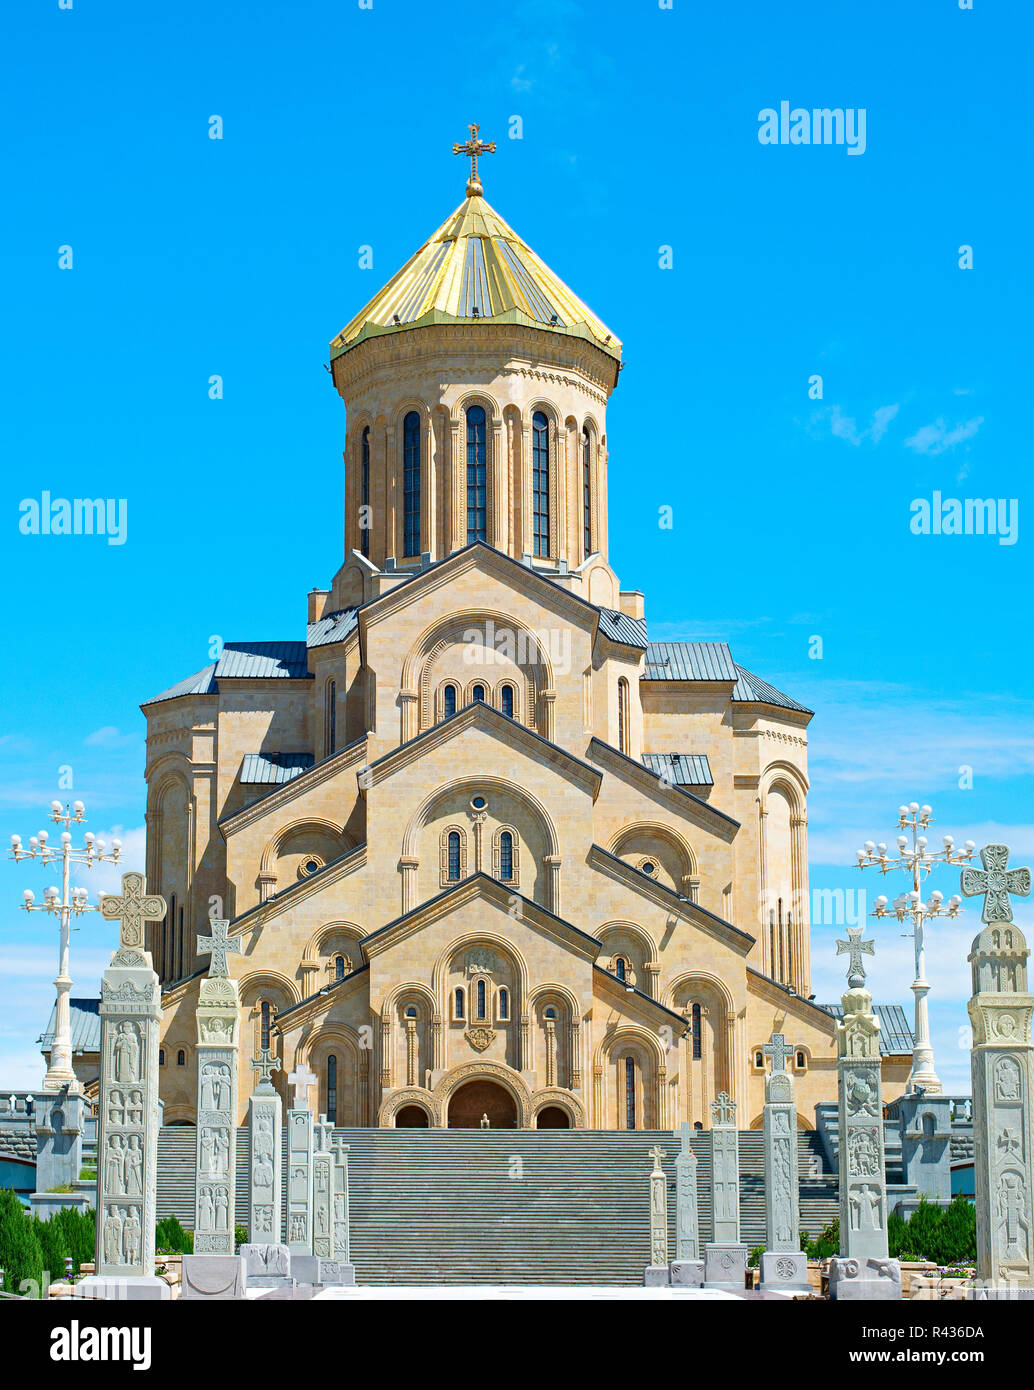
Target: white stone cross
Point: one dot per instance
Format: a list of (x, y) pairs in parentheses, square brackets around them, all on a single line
[(996, 881), (778, 1051), (300, 1080), (135, 907), (854, 947), (723, 1110), (219, 945), (267, 1064), (657, 1153), (324, 1130)]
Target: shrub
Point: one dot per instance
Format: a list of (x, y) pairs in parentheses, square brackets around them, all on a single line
[(79, 1230), (240, 1235), (20, 1254), (50, 1239), (170, 1237), (828, 1242), (943, 1235)]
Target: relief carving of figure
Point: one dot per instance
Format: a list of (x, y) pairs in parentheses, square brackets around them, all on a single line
[(1007, 1080), (131, 1237), (134, 1167), (263, 1172), (861, 1093), (114, 1165), (864, 1152), (222, 1209), (1011, 1208), (215, 1086), (113, 1237), (126, 1053)]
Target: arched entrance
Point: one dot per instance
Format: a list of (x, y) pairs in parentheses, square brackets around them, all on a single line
[(552, 1117), (411, 1117), (482, 1097)]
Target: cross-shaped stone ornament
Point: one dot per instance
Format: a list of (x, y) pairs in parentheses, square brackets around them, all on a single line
[(473, 149), (323, 1131), (266, 1064), (996, 881), (855, 948), (218, 946), (300, 1080), (133, 908), (777, 1050), (657, 1153), (723, 1110)]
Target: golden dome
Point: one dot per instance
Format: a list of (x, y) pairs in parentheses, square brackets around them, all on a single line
[(475, 268)]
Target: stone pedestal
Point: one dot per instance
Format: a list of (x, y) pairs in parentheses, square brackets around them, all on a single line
[(872, 1279), (319, 1273), (60, 1120), (217, 1024), (725, 1265), (127, 1138), (785, 1271), (139, 1288), (687, 1274), (267, 1266), (213, 1276)]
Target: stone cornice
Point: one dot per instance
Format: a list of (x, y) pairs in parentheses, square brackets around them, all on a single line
[(664, 897), (482, 715), (774, 993), (305, 782), (296, 893), (646, 1002), (315, 1004)]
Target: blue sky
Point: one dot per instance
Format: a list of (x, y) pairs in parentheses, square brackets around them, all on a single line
[(239, 257)]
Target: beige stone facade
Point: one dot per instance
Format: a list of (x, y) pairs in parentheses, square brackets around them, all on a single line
[(487, 849)]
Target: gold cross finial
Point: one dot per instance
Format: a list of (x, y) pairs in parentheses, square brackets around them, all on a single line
[(473, 148)]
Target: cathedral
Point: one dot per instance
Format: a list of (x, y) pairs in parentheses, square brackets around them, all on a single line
[(490, 855)]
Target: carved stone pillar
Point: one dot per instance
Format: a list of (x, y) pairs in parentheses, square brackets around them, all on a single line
[(409, 865), (598, 1106), (548, 718), (386, 1046), (653, 978), (553, 863), (576, 1055), (409, 708), (437, 1059), (411, 1051), (524, 1051), (550, 1052)]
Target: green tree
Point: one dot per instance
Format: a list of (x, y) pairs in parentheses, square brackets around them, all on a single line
[(50, 1239), (79, 1230), (20, 1254), (170, 1236)]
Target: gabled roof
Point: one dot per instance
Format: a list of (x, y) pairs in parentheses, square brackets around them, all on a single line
[(682, 769), (751, 689), (274, 767), (619, 760), (481, 884), (689, 661), (326, 991), (619, 627), (243, 660), (638, 994), (896, 1038), (332, 627), (475, 268)]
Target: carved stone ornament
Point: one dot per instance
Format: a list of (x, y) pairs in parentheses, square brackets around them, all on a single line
[(480, 962), (480, 1038)]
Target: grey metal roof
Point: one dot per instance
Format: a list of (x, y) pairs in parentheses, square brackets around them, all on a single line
[(681, 769), (896, 1037), (263, 659), (243, 660), (86, 1026), (619, 627), (752, 689), (274, 767), (332, 627), (689, 661)]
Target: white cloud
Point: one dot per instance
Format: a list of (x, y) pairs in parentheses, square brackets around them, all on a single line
[(937, 438), (107, 878), (846, 427)]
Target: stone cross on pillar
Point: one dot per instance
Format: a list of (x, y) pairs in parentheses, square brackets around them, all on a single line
[(863, 1269), (687, 1226), (725, 1257), (300, 1164), (783, 1265), (323, 1175), (1001, 1011), (300, 1080), (657, 1271), (127, 1140), (218, 1013), (265, 1121), (341, 1213)]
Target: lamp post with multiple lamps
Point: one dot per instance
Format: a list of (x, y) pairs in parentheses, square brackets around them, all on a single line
[(66, 903), (917, 860)]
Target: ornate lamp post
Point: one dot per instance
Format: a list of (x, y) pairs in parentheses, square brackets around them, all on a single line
[(65, 904), (917, 860)]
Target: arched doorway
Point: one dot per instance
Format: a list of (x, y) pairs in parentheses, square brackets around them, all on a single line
[(552, 1117), (482, 1097), (412, 1117)]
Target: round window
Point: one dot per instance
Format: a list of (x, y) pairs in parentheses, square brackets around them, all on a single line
[(649, 867), (478, 803)]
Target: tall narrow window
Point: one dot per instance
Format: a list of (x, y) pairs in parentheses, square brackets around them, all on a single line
[(364, 514), (504, 1003), (630, 1093), (458, 1003), (481, 1002), (449, 701), (695, 1034), (265, 1016), (540, 482), (477, 475), (339, 967), (411, 483), (478, 694), (586, 493), (506, 856), (506, 700), (623, 739), (454, 854), (621, 968), (331, 717), (332, 1090)]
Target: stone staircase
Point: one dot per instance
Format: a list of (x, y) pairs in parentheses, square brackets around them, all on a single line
[(511, 1206)]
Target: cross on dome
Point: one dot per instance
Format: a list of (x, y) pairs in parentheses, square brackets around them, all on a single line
[(472, 148)]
